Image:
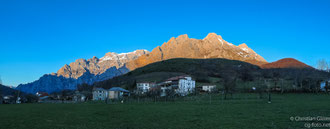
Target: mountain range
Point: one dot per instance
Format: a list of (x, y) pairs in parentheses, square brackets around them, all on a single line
[(98, 66), (113, 64), (212, 46), (82, 71)]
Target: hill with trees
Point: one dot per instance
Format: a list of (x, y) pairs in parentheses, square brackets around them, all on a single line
[(285, 63), (222, 70), (5, 90)]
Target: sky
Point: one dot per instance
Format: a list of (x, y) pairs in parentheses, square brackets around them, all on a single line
[(40, 36)]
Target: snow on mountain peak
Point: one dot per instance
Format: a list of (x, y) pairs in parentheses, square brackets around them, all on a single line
[(245, 49), (221, 41), (122, 56)]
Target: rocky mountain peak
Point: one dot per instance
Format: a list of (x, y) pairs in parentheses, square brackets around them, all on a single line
[(243, 45), (110, 54), (212, 36), (98, 66), (81, 61), (94, 59), (212, 46), (245, 48), (182, 37)]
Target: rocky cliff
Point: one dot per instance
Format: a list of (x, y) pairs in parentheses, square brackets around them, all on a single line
[(98, 66), (83, 71), (212, 46)]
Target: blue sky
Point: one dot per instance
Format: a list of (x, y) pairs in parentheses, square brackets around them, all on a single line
[(39, 37)]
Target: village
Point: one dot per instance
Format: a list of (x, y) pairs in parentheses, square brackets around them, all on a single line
[(177, 86)]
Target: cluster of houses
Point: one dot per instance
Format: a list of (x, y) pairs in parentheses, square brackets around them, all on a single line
[(180, 85), (9, 99), (75, 96)]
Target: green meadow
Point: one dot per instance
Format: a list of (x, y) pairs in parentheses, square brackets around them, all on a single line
[(205, 111)]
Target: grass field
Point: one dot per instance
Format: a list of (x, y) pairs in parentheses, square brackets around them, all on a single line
[(244, 111)]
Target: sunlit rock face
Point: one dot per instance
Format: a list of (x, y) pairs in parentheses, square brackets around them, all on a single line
[(212, 46), (98, 66), (83, 71)]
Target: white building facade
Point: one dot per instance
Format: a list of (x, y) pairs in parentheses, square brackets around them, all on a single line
[(208, 88), (182, 85), (100, 94), (143, 87), (179, 85), (185, 86)]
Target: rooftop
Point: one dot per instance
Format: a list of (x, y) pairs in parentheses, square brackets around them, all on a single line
[(118, 89), (177, 78)]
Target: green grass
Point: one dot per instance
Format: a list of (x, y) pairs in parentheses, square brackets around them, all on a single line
[(243, 111)]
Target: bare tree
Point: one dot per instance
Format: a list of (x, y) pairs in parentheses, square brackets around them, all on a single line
[(326, 86), (229, 85), (322, 65), (328, 67), (0, 81), (260, 87), (268, 90), (298, 81)]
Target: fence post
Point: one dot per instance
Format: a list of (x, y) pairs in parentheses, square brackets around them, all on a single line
[(210, 98)]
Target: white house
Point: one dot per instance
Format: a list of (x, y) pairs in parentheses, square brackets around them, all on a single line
[(143, 87), (182, 85), (100, 94), (209, 88), (112, 93)]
